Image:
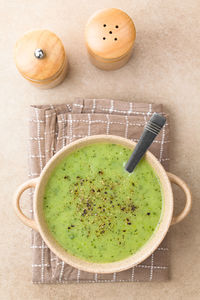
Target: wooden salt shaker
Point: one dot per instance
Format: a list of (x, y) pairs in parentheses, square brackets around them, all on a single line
[(110, 35), (41, 59)]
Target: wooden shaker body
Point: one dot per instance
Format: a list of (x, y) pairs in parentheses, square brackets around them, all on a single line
[(109, 37), (48, 71)]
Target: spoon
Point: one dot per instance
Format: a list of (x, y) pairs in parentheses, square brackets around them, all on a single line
[(150, 132)]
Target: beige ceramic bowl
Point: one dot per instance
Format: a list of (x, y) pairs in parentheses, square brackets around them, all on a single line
[(166, 219)]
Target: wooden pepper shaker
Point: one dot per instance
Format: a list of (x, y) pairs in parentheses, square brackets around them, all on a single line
[(40, 58), (110, 35)]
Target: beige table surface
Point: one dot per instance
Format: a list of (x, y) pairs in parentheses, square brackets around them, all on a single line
[(165, 68)]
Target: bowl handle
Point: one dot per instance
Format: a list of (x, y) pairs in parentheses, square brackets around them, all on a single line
[(178, 181), (28, 184)]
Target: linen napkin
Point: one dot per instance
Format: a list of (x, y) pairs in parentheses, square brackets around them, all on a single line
[(54, 126)]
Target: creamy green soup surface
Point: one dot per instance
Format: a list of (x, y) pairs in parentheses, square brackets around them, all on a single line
[(96, 210)]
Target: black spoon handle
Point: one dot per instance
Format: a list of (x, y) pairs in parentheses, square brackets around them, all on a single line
[(150, 132)]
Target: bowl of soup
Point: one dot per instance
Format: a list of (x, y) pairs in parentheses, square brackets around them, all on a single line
[(96, 216)]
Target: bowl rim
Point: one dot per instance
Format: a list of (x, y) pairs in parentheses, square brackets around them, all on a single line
[(145, 251)]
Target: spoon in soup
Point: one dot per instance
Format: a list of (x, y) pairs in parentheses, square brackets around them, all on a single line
[(151, 130)]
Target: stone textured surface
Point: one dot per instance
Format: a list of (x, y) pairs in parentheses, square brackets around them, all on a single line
[(165, 68)]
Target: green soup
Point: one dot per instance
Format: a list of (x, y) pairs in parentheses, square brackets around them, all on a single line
[(96, 210)]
